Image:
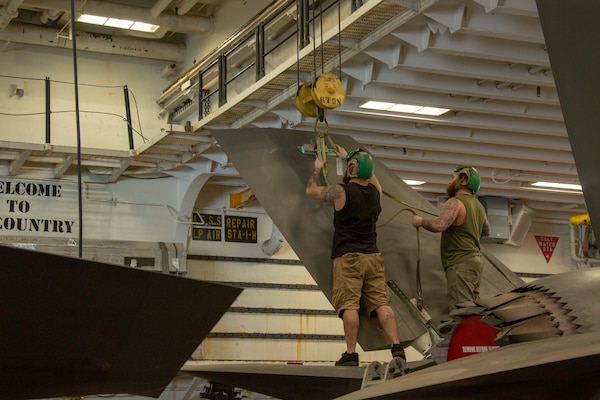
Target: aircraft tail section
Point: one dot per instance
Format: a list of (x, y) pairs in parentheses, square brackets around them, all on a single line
[(276, 170)]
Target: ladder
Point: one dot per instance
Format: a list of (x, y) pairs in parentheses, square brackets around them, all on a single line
[(377, 372)]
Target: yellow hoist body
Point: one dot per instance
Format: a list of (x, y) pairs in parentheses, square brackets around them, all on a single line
[(312, 99)]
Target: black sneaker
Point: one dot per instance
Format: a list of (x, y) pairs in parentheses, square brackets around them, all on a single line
[(398, 351), (398, 365), (348, 360)]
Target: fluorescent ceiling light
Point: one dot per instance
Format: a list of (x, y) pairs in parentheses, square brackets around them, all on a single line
[(411, 182), (404, 108), (556, 185), (144, 27), (117, 23), (432, 111), (377, 105), (92, 19)]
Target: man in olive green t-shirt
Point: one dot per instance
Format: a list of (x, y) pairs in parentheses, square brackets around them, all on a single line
[(462, 222)]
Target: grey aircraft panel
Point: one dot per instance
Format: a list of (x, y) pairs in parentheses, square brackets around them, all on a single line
[(289, 381), (277, 172), (565, 367), (553, 355), (556, 305), (71, 327), (571, 34)]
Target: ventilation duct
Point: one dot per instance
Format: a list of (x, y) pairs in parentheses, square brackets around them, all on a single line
[(522, 217), (274, 243), (117, 45), (9, 12)]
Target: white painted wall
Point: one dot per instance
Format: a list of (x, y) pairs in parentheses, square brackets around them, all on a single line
[(101, 99), (144, 210), (529, 258)]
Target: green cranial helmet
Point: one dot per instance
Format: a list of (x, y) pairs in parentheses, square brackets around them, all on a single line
[(474, 182), (364, 161)]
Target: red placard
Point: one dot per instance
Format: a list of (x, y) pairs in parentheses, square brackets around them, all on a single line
[(470, 337), (547, 245)]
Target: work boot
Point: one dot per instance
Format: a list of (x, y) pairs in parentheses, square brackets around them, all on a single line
[(348, 360), (398, 366), (398, 351)]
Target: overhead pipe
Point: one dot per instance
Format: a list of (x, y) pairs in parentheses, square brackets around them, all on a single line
[(9, 12), (50, 15), (159, 7), (185, 6), (116, 45), (575, 245), (177, 23)]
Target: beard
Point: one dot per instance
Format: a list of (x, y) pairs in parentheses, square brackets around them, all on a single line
[(452, 188), (347, 177)]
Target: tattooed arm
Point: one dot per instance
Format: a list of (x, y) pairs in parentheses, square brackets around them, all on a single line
[(313, 189), (447, 217), (332, 194)]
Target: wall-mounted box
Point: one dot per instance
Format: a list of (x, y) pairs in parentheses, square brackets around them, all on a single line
[(498, 214), (522, 217)]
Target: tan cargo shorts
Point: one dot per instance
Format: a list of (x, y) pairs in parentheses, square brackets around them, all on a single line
[(359, 276)]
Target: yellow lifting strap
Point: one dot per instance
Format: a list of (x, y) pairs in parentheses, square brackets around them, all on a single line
[(321, 144), (312, 99), (411, 207)]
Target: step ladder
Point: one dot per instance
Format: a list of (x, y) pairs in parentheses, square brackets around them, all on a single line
[(377, 372)]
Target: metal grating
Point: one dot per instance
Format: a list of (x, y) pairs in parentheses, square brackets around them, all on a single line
[(373, 20)]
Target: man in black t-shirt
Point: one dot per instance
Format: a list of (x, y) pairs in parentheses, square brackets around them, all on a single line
[(358, 270)]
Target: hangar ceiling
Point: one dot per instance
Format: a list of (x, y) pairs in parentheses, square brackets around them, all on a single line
[(484, 60)]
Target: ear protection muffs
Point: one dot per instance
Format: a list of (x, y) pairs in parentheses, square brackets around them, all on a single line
[(474, 182), (364, 161)]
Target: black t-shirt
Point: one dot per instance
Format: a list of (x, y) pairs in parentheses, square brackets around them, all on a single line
[(355, 224)]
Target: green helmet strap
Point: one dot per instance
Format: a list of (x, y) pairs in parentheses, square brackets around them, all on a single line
[(352, 153)]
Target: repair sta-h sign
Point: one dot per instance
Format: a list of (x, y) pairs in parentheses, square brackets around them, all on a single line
[(228, 228)]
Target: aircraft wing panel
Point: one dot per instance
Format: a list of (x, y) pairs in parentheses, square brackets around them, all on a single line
[(73, 327), (570, 34), (290, 382)]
